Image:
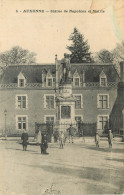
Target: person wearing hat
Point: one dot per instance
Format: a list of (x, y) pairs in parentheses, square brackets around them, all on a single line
[(44, 144), (97, 139), (24, 139), (110, 138), (71, 130)]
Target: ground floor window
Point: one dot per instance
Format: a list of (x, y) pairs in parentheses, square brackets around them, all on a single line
[(49, 119), (103, 122), (21, 122)]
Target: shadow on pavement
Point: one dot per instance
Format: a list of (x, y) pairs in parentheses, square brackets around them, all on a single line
[(96, 174), (20, 149), (116, 150), (115, 159)]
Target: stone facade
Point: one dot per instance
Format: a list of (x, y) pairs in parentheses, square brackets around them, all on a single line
[(29, 94)]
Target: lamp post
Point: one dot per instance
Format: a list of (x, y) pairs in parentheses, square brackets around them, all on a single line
[(5, 112)]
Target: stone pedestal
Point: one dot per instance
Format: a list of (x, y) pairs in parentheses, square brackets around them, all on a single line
[(65, 103)]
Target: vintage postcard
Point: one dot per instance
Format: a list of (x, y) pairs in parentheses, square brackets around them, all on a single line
[(61, 97)]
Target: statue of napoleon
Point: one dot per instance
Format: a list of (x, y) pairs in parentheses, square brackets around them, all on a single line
[(66, 67)]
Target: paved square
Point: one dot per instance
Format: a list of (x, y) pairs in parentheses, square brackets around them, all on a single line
[(77, 169)]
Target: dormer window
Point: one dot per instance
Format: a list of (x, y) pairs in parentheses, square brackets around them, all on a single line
[(21, 80), (49, 82), (76, 79), (103, 79), (49, 79)]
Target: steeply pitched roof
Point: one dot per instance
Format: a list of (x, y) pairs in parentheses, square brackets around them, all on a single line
[(93, 71), (33, 73)]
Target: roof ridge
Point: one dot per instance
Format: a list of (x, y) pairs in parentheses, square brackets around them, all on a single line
[(30, 65)]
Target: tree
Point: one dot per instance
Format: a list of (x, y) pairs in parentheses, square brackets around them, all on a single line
[(115, 56), (104, 56), (79, 48), (17, 56), (118, 54)]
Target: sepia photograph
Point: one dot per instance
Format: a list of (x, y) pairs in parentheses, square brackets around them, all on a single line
[(61, 97)]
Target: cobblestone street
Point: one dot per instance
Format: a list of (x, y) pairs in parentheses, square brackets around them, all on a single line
[(77, 169)]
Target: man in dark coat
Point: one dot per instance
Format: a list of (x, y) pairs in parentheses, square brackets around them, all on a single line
[(71, 131), (24, 139), (44, 144)]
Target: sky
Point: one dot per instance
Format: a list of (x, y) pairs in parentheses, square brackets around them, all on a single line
[(47, 33)]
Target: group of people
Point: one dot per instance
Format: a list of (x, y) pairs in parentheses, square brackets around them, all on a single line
[(62, 139), (110, 139), (43, 144), (70, 132), (44, 141)]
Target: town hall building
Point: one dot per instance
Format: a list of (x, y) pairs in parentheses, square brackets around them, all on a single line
[(61, 93)]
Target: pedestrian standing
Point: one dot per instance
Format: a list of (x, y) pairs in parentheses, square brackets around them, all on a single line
[(71, 130), (44, 144), (61, 139), (97, 139), (24, 139), (110, 138)]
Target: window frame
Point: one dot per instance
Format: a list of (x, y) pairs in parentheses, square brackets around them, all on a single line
[(81, 101), (21, 77), (21, 116), (74, 80), (45, 116), (98, 122), (45, 95), (98, 101), (105, 81), (47, 78), (21, 95)]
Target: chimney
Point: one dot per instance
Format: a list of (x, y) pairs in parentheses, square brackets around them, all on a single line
[(122, 71)]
